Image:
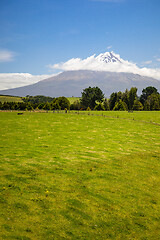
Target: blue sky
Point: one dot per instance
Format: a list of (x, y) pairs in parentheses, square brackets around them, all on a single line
[(37, 33)]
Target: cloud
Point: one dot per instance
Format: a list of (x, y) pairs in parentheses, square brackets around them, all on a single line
[(109, 47), (158, 59), (100, 63), (13, 80), (147, 62), (6, 55)]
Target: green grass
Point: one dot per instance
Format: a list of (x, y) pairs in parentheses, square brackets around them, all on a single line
[(147, 116), (4, 98), (70, 176)]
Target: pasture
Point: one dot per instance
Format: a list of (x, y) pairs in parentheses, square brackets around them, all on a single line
[(74, 176), (5, 98)]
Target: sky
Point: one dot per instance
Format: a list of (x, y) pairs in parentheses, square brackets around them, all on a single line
[(38, 35)]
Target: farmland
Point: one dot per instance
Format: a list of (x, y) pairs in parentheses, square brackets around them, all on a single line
[(80, 176), (5, 98)]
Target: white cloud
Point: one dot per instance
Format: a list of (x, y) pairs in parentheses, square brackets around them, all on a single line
[(147, 62), (109, 47), (98, 64), (6, 55), (13, 80), (158, 59)]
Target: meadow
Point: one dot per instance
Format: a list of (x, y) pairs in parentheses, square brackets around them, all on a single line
[(5, 98), (80, 176)]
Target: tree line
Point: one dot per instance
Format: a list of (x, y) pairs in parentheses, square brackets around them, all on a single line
[(37, 102), (92, 99)]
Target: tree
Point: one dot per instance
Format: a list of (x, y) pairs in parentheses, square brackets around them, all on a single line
[(112, 100), (106, 105), (153, 101), (41, 105), (137, 105), (22, 106), (120, 106), (76, 105), (132, 96), (90, 96), (119, 96), (37, 99), (125, 97), (29, 106), (63, 102), (47, 106), (5, 106), (146, 106), (99, 107), (146, 93), (55, 106)]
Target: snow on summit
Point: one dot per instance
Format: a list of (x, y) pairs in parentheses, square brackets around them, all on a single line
[(109, 57), (108, 61)]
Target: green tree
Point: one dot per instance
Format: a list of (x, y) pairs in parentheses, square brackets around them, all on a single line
[(112, 100), (137, 105), (47, 106), (106, 105), (29, 106), (125, 97), (146, 106), (153, 101), (76, 105), (63, 102), (5, 106), (37, 99), (147, 92), (132, 96), (119, 96), (22, 106), (90, 96), (99, 107), (55, 106), (120, 106), (41, 105)]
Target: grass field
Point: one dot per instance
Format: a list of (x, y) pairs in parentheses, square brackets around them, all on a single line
[(4, 98), (70, 176)]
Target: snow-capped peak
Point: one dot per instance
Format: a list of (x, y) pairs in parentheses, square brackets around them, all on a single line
[(108, 61), (109, 57)]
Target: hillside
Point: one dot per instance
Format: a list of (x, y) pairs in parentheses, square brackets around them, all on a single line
[(71, 83), (5, 98)]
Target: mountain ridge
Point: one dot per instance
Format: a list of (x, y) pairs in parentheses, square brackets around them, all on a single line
[(72, 83)]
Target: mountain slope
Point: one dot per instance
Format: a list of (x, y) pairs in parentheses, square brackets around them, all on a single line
[(72, 83)]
